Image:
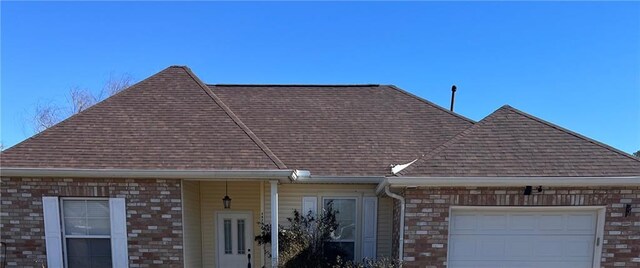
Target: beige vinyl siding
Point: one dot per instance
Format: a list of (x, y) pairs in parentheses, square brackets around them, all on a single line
[(385, 226), (290, 199), (192, 234), (245, 196)]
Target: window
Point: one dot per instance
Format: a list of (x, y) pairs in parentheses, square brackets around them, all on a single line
[(227, 237), (86, 230), (241, 239), (345, 235)]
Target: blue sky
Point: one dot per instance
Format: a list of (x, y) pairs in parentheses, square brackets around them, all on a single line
[(573, 64)]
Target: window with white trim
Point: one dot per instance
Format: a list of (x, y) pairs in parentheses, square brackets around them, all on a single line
[(345, 235), (86, 232)]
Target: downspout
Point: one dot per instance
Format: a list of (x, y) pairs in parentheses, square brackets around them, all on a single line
[(262, 258), (401, 231)]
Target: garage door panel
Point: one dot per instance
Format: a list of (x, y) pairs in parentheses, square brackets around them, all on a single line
[(519, 248), (522, 221), (519, 238), (464, 222), (518, 264), (493, 222), (491, 247), (582, 246), (464, 246), (581, 222), (551, 222), (513, 247), (549, 247), (489, 264), (471, 264)]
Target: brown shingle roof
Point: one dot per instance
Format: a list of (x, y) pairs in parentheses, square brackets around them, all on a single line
[(353, 130), (174, 121), (512, 143), (168, 121)]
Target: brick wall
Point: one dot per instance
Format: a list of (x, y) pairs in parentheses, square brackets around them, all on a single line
[(154, 217), (427, 216)]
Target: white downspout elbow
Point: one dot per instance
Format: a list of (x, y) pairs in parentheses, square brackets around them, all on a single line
[(401, 231)]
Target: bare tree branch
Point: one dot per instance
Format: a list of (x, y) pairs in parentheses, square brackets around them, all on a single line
[(79, 99), (115, 84), (45, 116)]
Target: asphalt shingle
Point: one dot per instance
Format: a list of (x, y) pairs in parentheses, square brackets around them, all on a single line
[(510, 142), (172, 120), (167, 121), (349, 130)]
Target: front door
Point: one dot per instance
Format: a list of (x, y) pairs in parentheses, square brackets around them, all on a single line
[(234, 239)]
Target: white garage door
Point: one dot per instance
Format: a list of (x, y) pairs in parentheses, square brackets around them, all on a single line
[(521, 237)]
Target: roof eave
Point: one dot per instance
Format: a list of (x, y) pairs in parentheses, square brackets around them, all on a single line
[(510, 181), (282, 175), (340, 179)]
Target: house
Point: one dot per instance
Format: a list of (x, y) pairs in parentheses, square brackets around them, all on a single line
[(138, 181)]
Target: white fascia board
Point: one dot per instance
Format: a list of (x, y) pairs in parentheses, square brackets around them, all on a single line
[(512, 181), (340, 179), (203, 174)]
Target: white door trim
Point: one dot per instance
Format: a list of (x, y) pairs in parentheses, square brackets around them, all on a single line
[(250, 235), (600, 213)]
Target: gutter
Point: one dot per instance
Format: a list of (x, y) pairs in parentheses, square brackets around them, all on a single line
[(511, 181), (283, 175), (339, 179), (401, 227)]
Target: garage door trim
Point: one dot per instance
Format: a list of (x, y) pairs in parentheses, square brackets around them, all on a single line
[(600, 218)]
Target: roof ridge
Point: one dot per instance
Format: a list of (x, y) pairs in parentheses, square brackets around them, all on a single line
[(425, 157), (235, 119), (430, 103), (575, 134), (293, 85), (56, 125)]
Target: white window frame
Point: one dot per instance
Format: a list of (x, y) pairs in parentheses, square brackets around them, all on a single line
[(357, 214), (65, 236)]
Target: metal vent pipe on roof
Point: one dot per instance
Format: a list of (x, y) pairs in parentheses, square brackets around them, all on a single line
[(453, 95)]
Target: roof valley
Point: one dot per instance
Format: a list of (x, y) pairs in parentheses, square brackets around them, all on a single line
[(426, 156)]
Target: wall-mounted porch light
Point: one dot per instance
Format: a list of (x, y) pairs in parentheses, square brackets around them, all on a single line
[(226, 201), (528, 190)]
